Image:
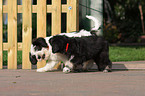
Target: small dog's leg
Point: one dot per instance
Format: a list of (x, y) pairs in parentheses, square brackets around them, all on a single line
[(48, 67), (77, 68), (88, 65)]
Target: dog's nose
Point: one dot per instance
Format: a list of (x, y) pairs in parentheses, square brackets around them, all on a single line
[(39, 57)]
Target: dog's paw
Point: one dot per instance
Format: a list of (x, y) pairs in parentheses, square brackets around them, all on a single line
[(105, 71), (66, 70), (43, 70)]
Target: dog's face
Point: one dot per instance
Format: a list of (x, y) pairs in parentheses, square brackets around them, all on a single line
[(39, 50), (58, 43)]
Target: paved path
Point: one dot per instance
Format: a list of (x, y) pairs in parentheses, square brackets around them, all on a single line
[(30, 83)]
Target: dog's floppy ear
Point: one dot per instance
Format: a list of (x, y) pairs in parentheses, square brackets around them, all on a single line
[(58, 43), (54, 41), (51, 40), (39, 42), (33, 59)]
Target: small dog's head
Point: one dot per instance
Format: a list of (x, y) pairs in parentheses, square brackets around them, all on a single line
[(39, 50), (58, 43)]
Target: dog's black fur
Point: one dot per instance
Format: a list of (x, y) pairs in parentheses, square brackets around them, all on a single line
[(32, 59), (39, 43), (83, 49)]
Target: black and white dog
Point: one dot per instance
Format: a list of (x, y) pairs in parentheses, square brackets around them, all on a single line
[(82, 49), (42, 50)]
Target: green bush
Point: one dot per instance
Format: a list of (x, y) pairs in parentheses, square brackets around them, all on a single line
[(126, 17), (111, 33)]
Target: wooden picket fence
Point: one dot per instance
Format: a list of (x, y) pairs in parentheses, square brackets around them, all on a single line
[(56, 8)]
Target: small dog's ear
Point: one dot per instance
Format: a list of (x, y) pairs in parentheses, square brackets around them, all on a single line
[(40, 41)]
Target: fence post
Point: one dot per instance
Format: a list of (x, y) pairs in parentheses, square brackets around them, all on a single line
[(72, 15), (56, 17), (12, 34), (1, 34), (41, 24), (56, 20), (27, 33)]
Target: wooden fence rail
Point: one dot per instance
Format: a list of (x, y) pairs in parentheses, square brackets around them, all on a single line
[(56, 8)]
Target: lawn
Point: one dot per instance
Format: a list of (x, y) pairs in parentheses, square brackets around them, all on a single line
[(132, 53), (117, 53)]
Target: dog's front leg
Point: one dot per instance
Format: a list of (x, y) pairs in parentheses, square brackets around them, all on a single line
[(77, 63), (68, 67), (48, 67), (78, 60)]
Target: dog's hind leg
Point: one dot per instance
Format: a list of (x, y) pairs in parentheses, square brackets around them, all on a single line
[(103, 62), (109, 66), (97, 60)]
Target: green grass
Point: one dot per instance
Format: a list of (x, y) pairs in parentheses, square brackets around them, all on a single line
[(132, 53), (116, 54)]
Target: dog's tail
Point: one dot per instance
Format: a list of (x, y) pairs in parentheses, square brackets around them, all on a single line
[(96, 21), (97, 24)]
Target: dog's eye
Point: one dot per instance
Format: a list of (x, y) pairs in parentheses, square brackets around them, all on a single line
[(39, 57)]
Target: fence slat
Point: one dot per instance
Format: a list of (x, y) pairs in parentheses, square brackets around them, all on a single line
[(5, 46), (41, 23), (34, 8), (1, 34), (12, 34), (56, 17), (72, 15), (27, 33)]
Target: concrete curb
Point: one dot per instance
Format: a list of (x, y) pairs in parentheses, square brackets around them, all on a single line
[(130, 65)]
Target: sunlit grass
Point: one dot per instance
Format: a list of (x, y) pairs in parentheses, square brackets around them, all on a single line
[(132, 53)]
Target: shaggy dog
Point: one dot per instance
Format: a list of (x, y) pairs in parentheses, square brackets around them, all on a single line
[(42, 50), (82, 49)]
